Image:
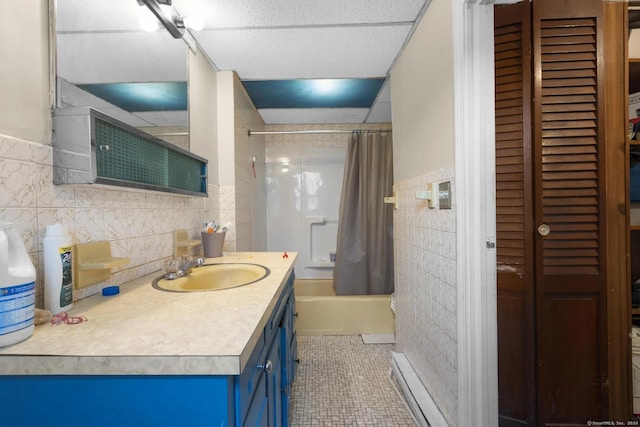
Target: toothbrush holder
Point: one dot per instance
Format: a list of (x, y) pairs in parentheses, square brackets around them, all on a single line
[(212, 244)]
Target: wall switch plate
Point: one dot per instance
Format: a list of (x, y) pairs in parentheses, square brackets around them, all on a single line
[(444, 195)]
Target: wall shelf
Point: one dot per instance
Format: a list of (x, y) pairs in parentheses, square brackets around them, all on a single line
[(182, 245), (104, 263), (92, 263)]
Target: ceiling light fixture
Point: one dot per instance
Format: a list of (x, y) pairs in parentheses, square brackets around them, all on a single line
[(147, 21), (173, 23), (191, 22)]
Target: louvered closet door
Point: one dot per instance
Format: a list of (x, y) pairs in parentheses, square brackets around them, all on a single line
[(570, 277), (514, 216)]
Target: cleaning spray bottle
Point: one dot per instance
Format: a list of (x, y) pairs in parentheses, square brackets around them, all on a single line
[(17, 288), (58, 284)]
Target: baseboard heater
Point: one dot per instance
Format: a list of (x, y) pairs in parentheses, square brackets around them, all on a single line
[(418, 398)]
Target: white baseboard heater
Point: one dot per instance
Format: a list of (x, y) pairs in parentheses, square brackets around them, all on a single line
[(418, 398)]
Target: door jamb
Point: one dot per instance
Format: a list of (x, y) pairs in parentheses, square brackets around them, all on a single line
[(476, 211)]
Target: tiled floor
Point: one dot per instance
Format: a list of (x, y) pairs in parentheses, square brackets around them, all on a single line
[(342, 382)]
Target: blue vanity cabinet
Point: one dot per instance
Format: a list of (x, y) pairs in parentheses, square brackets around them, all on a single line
[(267, 403), (289, 346), (274, 384), (258, 397)]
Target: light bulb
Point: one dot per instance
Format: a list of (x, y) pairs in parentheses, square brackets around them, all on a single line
[(148, 21), (194, 22)]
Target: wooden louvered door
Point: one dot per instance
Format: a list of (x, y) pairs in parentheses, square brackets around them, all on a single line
[(569, 205), (560, 236), (514, 215)]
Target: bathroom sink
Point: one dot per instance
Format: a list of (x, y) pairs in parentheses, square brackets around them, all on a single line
[(213, 277)]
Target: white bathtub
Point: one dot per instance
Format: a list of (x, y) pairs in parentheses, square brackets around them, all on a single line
[(321, 312)]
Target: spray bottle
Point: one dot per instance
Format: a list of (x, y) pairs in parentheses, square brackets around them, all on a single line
[(17, 288)]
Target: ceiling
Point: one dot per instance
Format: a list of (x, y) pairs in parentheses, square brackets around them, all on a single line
[(301, 61)]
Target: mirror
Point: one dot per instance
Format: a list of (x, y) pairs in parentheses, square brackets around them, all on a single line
[(106, 60)]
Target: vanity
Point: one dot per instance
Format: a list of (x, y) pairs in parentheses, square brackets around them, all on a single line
[(148, 357)]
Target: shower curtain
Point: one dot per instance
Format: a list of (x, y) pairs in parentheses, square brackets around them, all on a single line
[(364, 251)]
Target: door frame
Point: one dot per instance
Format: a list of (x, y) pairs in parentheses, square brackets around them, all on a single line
[(474, 95)]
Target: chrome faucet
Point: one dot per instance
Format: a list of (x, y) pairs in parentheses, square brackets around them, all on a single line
[(185, 268)]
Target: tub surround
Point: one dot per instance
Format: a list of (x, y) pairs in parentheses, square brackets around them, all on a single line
[(146, 331)]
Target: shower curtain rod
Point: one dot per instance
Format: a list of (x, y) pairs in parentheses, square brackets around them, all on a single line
[(302, 132)]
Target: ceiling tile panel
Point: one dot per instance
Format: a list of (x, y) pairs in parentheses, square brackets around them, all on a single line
[(98, 15), (313, 115), (313, 93), (121, 57), (260, 13), (338, 52)]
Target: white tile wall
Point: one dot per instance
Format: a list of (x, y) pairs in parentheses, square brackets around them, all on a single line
[(237, 201), (425, 289), (243, 178), (139, 224)]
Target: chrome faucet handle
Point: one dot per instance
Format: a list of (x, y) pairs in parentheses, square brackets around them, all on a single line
[(171, 265), (172, 275), (188, 264), (172, 268)]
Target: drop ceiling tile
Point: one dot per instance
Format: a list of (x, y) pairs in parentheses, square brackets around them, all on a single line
[(238, 13), (339, 52), (96, 15), (142, 96), (313, 93), (121, 57), (272, 116)]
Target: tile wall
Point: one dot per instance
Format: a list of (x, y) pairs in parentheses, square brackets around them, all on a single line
[(426, 290), (139, 224), (238, 200)]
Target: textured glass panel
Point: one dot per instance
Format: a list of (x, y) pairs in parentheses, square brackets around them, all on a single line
[(126, 156), (186, 173), (129, 157)]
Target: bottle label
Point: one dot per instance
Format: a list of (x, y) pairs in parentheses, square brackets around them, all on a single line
[(66, 291), (17, 307)]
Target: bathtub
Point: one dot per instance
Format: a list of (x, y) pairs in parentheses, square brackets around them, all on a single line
[(321, 312)]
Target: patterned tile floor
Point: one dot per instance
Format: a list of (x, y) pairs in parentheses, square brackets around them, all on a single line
[(342, 382)]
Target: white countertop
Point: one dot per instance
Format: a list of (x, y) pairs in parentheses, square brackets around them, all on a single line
[(145, 331)]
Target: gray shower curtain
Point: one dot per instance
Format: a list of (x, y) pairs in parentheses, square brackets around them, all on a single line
[(364, 251)]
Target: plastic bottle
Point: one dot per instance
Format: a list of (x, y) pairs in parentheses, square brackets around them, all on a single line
[(17, 288), (58, 284)]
